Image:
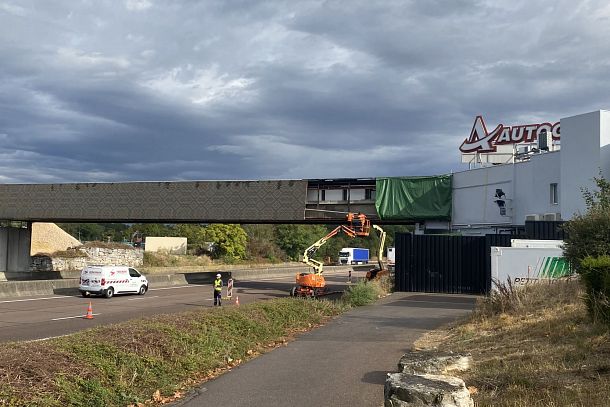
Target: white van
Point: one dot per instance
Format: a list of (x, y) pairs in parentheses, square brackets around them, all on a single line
[(110, 280)]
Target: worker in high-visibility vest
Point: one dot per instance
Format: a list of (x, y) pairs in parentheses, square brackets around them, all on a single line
[(217, 290)]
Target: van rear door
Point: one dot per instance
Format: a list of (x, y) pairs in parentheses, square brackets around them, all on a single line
[(91, 279)]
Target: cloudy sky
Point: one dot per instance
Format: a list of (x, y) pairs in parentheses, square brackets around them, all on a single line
[(101, 90)]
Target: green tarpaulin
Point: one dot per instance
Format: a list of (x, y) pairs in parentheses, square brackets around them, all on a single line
[(414, 198)]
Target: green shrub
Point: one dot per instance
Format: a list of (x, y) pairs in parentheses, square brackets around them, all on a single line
[(362, 293), (595, 275)]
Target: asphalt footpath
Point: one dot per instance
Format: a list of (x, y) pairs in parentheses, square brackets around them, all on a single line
[(343, 363)]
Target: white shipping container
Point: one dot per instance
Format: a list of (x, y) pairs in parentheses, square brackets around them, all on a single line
[(527, 265)]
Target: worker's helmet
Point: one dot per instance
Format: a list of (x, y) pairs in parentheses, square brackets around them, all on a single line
[(218, 275)]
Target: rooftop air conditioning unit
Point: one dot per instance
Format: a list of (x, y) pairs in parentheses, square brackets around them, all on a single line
[(552, 216), (522, 150), (532, 217)]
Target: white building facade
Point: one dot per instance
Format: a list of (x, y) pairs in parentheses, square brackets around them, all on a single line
[(531, 183)]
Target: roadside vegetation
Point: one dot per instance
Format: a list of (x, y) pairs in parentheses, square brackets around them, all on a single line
[(155, 360), (532, 346), (150, 360), (364, 293)]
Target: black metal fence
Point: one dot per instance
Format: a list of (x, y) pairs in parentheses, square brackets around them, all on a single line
[(545, 230), (445, 264), (457, 264)]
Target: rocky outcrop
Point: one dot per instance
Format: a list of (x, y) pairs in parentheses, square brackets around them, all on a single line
[(88, 256), (424, 381)]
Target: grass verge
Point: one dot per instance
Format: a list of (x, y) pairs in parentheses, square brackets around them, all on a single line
[(532, 347), (150, 360)]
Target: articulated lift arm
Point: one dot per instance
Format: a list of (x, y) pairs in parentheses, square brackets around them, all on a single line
[(382, 235), (311, 250)]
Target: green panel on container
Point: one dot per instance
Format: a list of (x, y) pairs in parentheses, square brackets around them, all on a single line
[(414, 198)]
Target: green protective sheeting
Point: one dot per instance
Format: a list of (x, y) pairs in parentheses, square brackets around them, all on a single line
[(414, 198)]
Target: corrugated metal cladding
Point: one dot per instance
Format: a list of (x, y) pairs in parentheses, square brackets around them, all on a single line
[(445, 264), (545, 230), (192, 201)]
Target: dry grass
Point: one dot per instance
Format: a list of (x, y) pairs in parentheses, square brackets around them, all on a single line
[(151, 360), (161, 259), (544, 352)]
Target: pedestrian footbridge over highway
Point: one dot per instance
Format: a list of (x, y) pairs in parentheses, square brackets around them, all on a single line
[(383, 200)]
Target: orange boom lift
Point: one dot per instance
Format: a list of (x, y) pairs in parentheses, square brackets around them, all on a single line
[(313, 284)]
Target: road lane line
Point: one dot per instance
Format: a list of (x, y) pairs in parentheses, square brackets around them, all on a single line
[(78, 316), (37, 299), (171, 288), (142, 298)]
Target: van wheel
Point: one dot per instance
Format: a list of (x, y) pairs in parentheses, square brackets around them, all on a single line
[(142, 290), (109, 292)]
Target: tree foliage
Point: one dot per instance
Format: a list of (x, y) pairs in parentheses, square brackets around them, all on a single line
[(588, 234), (294, 239), (261, 243), (230, 240), (587, 247)]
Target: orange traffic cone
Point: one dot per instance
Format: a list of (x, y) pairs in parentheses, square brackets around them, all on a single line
[(237, 300), (89, 312)]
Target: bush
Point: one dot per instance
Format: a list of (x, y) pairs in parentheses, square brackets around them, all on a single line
[(595, 276), (362, 293), (587, 235)]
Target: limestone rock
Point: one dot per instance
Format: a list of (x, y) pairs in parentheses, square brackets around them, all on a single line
[(422, 362), (408, 390)]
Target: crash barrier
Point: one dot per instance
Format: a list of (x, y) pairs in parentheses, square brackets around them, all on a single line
[(68, 285)]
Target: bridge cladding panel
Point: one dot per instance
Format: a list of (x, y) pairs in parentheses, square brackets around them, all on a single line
[(185, 201)]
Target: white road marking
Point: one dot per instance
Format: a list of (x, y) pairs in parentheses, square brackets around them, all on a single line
[(142, 298), (78, 316), (37, 299), (171, 288)]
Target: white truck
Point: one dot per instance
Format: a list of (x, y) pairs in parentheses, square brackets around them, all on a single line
[(110, 280)]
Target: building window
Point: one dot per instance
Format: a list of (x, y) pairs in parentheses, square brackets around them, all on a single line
[(554, 194), (323, 198), (345, 194), (368, 194)]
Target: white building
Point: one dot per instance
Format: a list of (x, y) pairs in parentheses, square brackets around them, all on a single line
[(529, 184)]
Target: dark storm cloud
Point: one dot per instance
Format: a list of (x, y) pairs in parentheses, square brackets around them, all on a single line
[(157, 90)]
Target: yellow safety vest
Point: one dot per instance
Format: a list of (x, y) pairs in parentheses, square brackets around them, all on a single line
[(218, 285)]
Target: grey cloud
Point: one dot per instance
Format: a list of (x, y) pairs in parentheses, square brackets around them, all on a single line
[(245, 90)]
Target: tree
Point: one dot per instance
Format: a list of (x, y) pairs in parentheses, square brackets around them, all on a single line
[(195, 237), (587, 247), (294, 239), (588, 234), (261, 243), (230, 240)]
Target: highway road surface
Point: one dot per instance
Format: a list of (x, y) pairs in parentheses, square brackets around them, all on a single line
[(35, 318)]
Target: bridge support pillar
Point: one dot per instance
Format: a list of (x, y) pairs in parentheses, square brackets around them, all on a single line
[(15, 243)]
